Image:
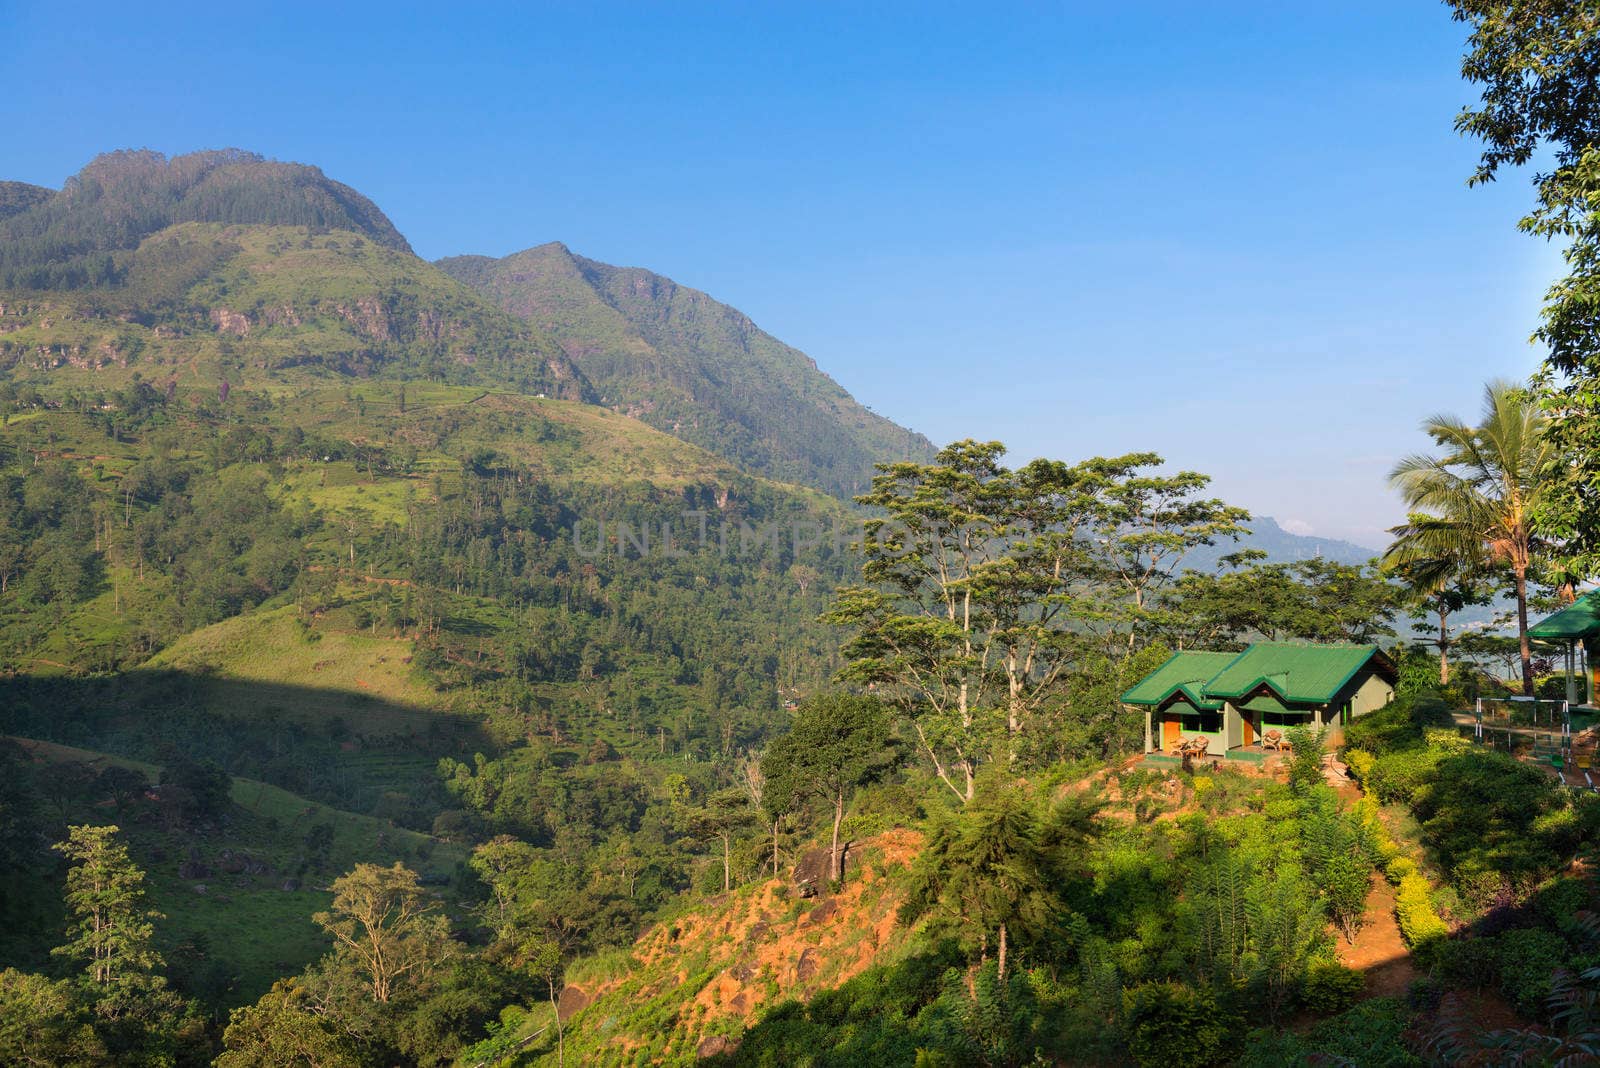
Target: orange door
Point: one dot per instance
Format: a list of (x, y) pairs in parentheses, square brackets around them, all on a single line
[(1247, 730), (1171, 732)]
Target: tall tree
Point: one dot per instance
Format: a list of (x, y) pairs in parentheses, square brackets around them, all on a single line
[(997, 868), (1538, 64), (837, 742), (110, 932), (1473, 503), (722, 817), (983, 587), (383, 922)]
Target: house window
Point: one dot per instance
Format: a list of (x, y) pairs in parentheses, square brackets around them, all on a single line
[(1285, 719), (1202, 722)]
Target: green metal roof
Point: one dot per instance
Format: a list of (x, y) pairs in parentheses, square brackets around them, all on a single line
[(1580, 619), (1183, 673), (1295, 673), (1301, 674)]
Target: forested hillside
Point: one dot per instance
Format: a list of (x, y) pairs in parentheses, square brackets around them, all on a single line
[(698, 369), (531, 661)]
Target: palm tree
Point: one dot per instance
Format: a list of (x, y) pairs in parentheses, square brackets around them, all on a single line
[(1471, 505)]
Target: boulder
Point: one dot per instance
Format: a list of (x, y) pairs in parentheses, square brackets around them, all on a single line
[(712, 1046), (571, 1002)]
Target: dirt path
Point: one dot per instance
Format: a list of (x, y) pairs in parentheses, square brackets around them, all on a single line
[(1378, 949)]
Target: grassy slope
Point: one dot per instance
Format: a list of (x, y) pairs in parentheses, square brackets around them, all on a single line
[(713, 968), (365, 680), (260, 930)]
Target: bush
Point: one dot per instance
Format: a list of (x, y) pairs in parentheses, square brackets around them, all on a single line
[(1175, 1026), (1420, 925), (1467, 962), (1526, 961), (1398, 868), (1360, 763), (1400, 774), (1331, 987)]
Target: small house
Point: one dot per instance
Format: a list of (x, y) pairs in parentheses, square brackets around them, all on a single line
[(1237, 701)]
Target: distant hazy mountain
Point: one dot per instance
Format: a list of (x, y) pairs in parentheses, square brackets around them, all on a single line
[(696, 368), (1283, 547)]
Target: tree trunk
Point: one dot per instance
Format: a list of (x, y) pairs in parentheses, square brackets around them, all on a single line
[(774, 849), (1522, 633), (1444, 650), (561, 1041), (838, 818), (1002, 954), (726, 862)]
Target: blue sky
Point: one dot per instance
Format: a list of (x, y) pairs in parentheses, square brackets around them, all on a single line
[(1236, 234)]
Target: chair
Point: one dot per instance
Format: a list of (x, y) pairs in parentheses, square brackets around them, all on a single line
[(1273, 739)]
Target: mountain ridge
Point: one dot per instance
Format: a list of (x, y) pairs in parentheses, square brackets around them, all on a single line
[(694, 366)]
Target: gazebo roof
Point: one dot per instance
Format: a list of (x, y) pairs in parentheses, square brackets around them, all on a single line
[(1580, 619)]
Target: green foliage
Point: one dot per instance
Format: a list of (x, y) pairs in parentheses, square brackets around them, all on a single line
[(285, 1027), (1176, 1025), (1526, 960), (42, 1023), (992, 872), (385, 927), (1308, 600), (1537, 66), (1331, 987), (1372, 1034), (1420, 925), (110, 933)]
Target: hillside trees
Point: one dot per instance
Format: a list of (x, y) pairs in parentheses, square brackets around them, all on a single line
[(837, 742), (983, 586)]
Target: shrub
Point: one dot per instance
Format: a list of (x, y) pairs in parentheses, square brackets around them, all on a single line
[(1526, 961), (1398, 868), (1401, 774), (1467, 962), (1420, 925), (1175, 1026), (1331, 987), (1360, 763)]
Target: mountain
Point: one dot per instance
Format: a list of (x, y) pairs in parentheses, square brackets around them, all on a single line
[(72, 238), (201, 303), (1282, 547), (18, 197), (700, 370)]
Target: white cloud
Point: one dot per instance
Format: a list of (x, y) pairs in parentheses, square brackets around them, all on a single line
[(1296, 526)]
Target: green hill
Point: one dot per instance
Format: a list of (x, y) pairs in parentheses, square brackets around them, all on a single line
[(696, 368)]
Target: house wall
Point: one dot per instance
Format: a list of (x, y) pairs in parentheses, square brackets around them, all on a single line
[(1374, 693), (1216, 741), (1365, 693)]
